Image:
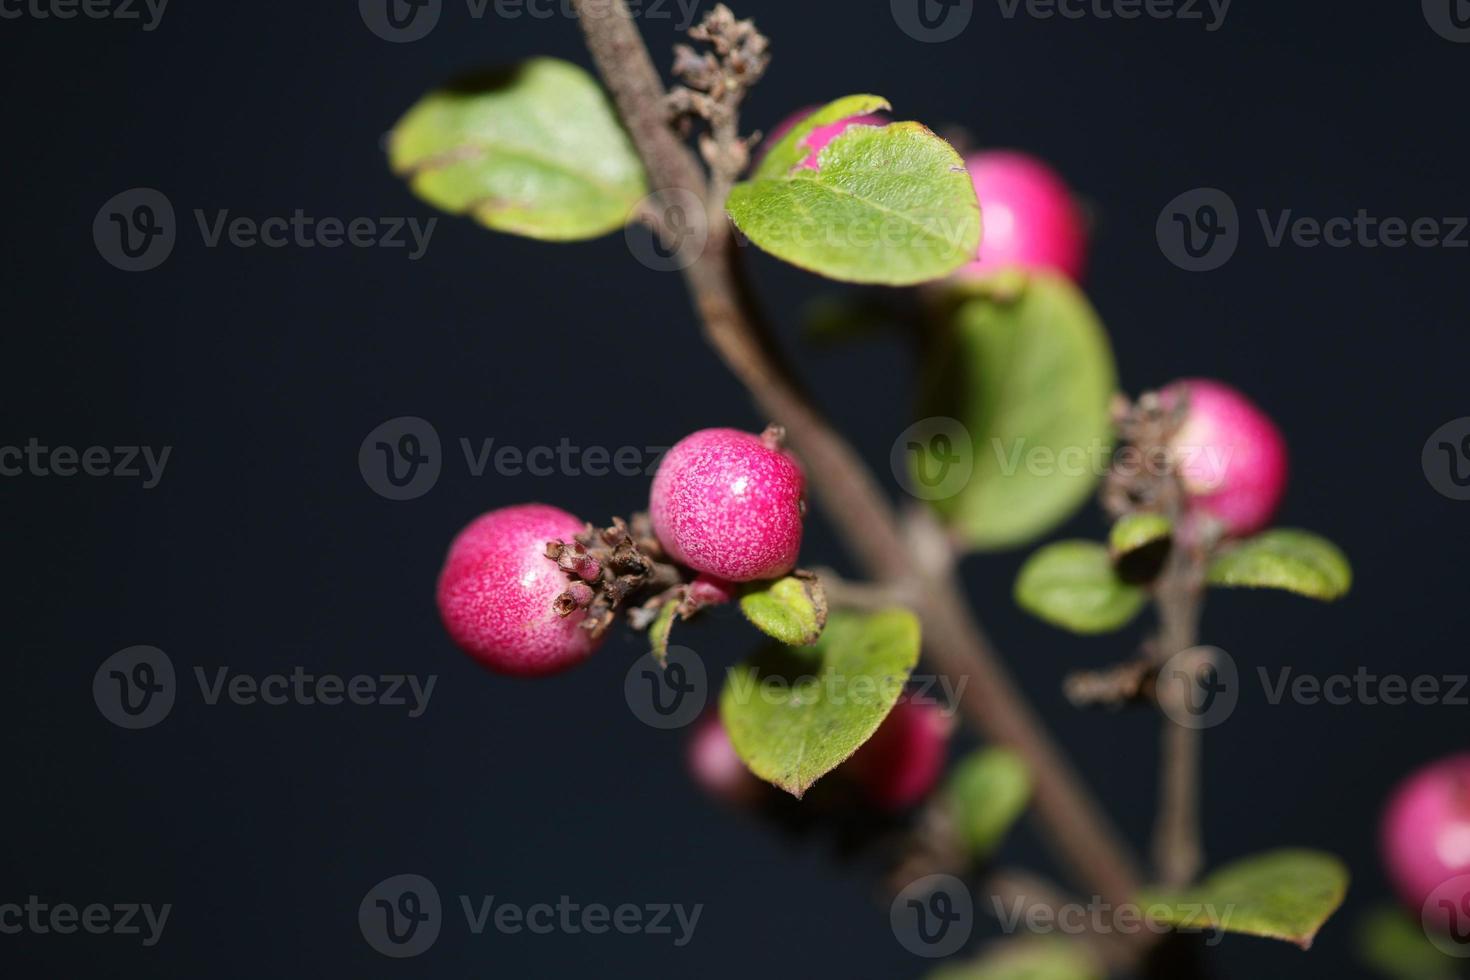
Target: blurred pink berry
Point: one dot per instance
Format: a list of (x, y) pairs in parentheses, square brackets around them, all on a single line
[(727, 504), (497, 588), (1030, 217), (904, 759), (1426, 837), (715, 765), (818, 138), (1232, 458)]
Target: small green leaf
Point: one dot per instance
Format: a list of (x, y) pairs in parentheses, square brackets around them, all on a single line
[(1394, 944), (1032, 378), (1139, 530), (987, 793), (791, 149), (791, 609), (891, 205), (1072, 584), (1286, 894), (1026, 959), (795, 713), (660, 628), (536, 150), (1297, 561)]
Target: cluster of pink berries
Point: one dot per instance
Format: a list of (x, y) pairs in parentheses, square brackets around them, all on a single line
[(726, 504)]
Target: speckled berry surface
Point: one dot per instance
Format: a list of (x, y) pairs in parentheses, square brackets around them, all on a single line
[(1232, 458), (1425, 837), (716, 767), (496, 591), (818, 138), (1030, 216), (726, 504), (904, 759)]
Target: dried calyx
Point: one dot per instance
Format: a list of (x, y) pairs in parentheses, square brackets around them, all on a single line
[(619, 567)]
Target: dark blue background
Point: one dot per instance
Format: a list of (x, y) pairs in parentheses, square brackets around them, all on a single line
[(263, 549)]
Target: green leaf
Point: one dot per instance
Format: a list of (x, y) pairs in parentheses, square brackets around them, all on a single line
[(1297, 561), (535, 150), (791, 149), (1135, 531), (791, 609), (1286, 894), (660, 628), (1072, 584), (891, 204), (987, 793), (1032, 379), (1394, 944), (795, 713), (1026, 959)]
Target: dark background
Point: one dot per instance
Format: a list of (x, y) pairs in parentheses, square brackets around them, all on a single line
[(263, 549)]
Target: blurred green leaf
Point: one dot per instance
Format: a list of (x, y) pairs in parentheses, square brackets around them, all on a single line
[(987, 793), (1072, 584), (1032, 379), (1297, 561), (1135, 531), (1285, 894), (1394, 944), (1026, 959), (535, 150)]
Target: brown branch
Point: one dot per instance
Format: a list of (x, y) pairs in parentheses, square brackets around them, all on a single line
[(851, 499), (1177, 849)]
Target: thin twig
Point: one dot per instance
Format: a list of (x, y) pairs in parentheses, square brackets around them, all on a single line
[(850, 497)]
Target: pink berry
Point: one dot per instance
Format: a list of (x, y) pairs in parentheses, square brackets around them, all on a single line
[(706, 590), (1031, 219), (1231, 456), (1426, 836), (816, 141), (904, 759), (726, 503), (497, 589), (715, 765)]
